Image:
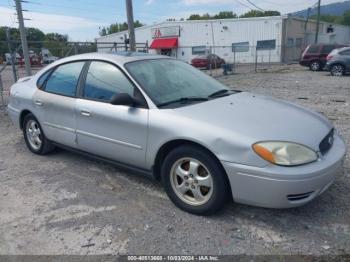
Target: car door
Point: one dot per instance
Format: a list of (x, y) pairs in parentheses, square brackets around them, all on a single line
[(56, 100), (115, 132)]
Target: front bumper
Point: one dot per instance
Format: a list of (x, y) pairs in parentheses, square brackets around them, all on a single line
[(284, 187)]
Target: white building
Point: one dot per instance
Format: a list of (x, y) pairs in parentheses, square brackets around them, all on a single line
[(242, 40)]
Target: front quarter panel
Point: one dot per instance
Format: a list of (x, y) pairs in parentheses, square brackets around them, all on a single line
[(165, 126)]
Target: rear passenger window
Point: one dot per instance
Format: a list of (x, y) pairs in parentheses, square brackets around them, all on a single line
[(104, 80), (64, 79), (327, 49), (42, 79), (313, 49), (345, 52)]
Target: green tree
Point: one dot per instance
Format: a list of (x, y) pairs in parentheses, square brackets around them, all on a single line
[(225, 15), (35, 39), (258, 13), (346, 18), (57, 44), (116, 27), (271, 13), (199, 17), (252, 13), (194, 17)]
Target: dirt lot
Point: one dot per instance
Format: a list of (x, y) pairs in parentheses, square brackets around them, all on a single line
[(65, 203)]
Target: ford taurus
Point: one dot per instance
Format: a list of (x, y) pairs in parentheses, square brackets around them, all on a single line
[(164, 118)]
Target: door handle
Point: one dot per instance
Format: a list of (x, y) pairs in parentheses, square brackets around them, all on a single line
[(38, 102), (85, 113)]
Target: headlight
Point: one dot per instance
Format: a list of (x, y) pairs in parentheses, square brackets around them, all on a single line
[(285, 153)]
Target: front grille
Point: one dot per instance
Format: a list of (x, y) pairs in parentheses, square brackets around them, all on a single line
[(298, 197), (327, 142)]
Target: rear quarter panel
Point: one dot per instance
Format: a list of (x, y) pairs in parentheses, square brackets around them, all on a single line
[(21, 99)]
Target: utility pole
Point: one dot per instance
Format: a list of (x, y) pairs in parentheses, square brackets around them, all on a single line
[(23, 37), (307, 19), (318, 21), (131, 29)]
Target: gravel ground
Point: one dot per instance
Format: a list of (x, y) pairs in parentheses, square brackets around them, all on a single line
[(64, 203)]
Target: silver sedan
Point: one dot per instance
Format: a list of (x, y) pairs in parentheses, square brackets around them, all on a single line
[(168, 120)]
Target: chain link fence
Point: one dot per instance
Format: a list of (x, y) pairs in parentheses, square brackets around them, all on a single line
[(237, 59)]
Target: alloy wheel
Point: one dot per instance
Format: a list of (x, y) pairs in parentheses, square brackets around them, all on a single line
[(191, 181), (315, 66), (33, 133), (337, 70)]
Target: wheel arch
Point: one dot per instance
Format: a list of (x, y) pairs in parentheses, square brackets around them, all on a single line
[(22, 115), (339, 63), (167, 147)]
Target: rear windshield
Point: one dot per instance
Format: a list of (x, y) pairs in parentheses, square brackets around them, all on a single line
[(313, 49), (334, 51), (326, 49)]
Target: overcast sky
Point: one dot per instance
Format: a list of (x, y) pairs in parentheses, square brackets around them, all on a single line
[(81, 19)]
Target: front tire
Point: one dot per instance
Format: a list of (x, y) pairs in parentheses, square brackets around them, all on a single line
[(337, 70), (34, 136), (315, 66), (194, 180)]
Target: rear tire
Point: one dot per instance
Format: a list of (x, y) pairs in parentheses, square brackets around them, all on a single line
[(315, 66), (337, 70), (194, 180), (34, 136)]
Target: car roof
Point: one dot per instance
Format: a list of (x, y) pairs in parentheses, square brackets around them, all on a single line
[(119, 58), (343, 48)]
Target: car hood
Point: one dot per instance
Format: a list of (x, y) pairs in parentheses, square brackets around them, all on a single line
[(259, 118)]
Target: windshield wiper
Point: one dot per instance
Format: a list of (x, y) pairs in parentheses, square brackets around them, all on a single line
[(183, 100), (222, 92)]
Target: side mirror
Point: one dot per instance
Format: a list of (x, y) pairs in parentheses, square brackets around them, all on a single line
[(123, 99)]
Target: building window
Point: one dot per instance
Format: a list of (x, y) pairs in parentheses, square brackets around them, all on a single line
[(266, 44), (290, 42), (299, 42), (240, 47), (198, 50)]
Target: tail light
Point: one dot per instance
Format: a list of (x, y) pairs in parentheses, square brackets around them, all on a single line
[(329, 57)]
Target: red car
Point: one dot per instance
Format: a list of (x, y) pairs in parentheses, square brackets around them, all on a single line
[(208, 61), (315, 56)]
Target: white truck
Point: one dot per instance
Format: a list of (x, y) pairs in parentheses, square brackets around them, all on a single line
[(47, 57)]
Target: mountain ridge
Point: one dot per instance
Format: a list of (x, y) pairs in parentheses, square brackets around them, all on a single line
[(337, 9)]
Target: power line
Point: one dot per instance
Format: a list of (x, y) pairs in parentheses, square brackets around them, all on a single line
[(243, 4), (250, 2)]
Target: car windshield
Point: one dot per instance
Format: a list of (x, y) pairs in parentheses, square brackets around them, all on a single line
[(172, 82)]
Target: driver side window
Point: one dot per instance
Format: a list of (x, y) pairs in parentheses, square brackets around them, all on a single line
[(104, 80)]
